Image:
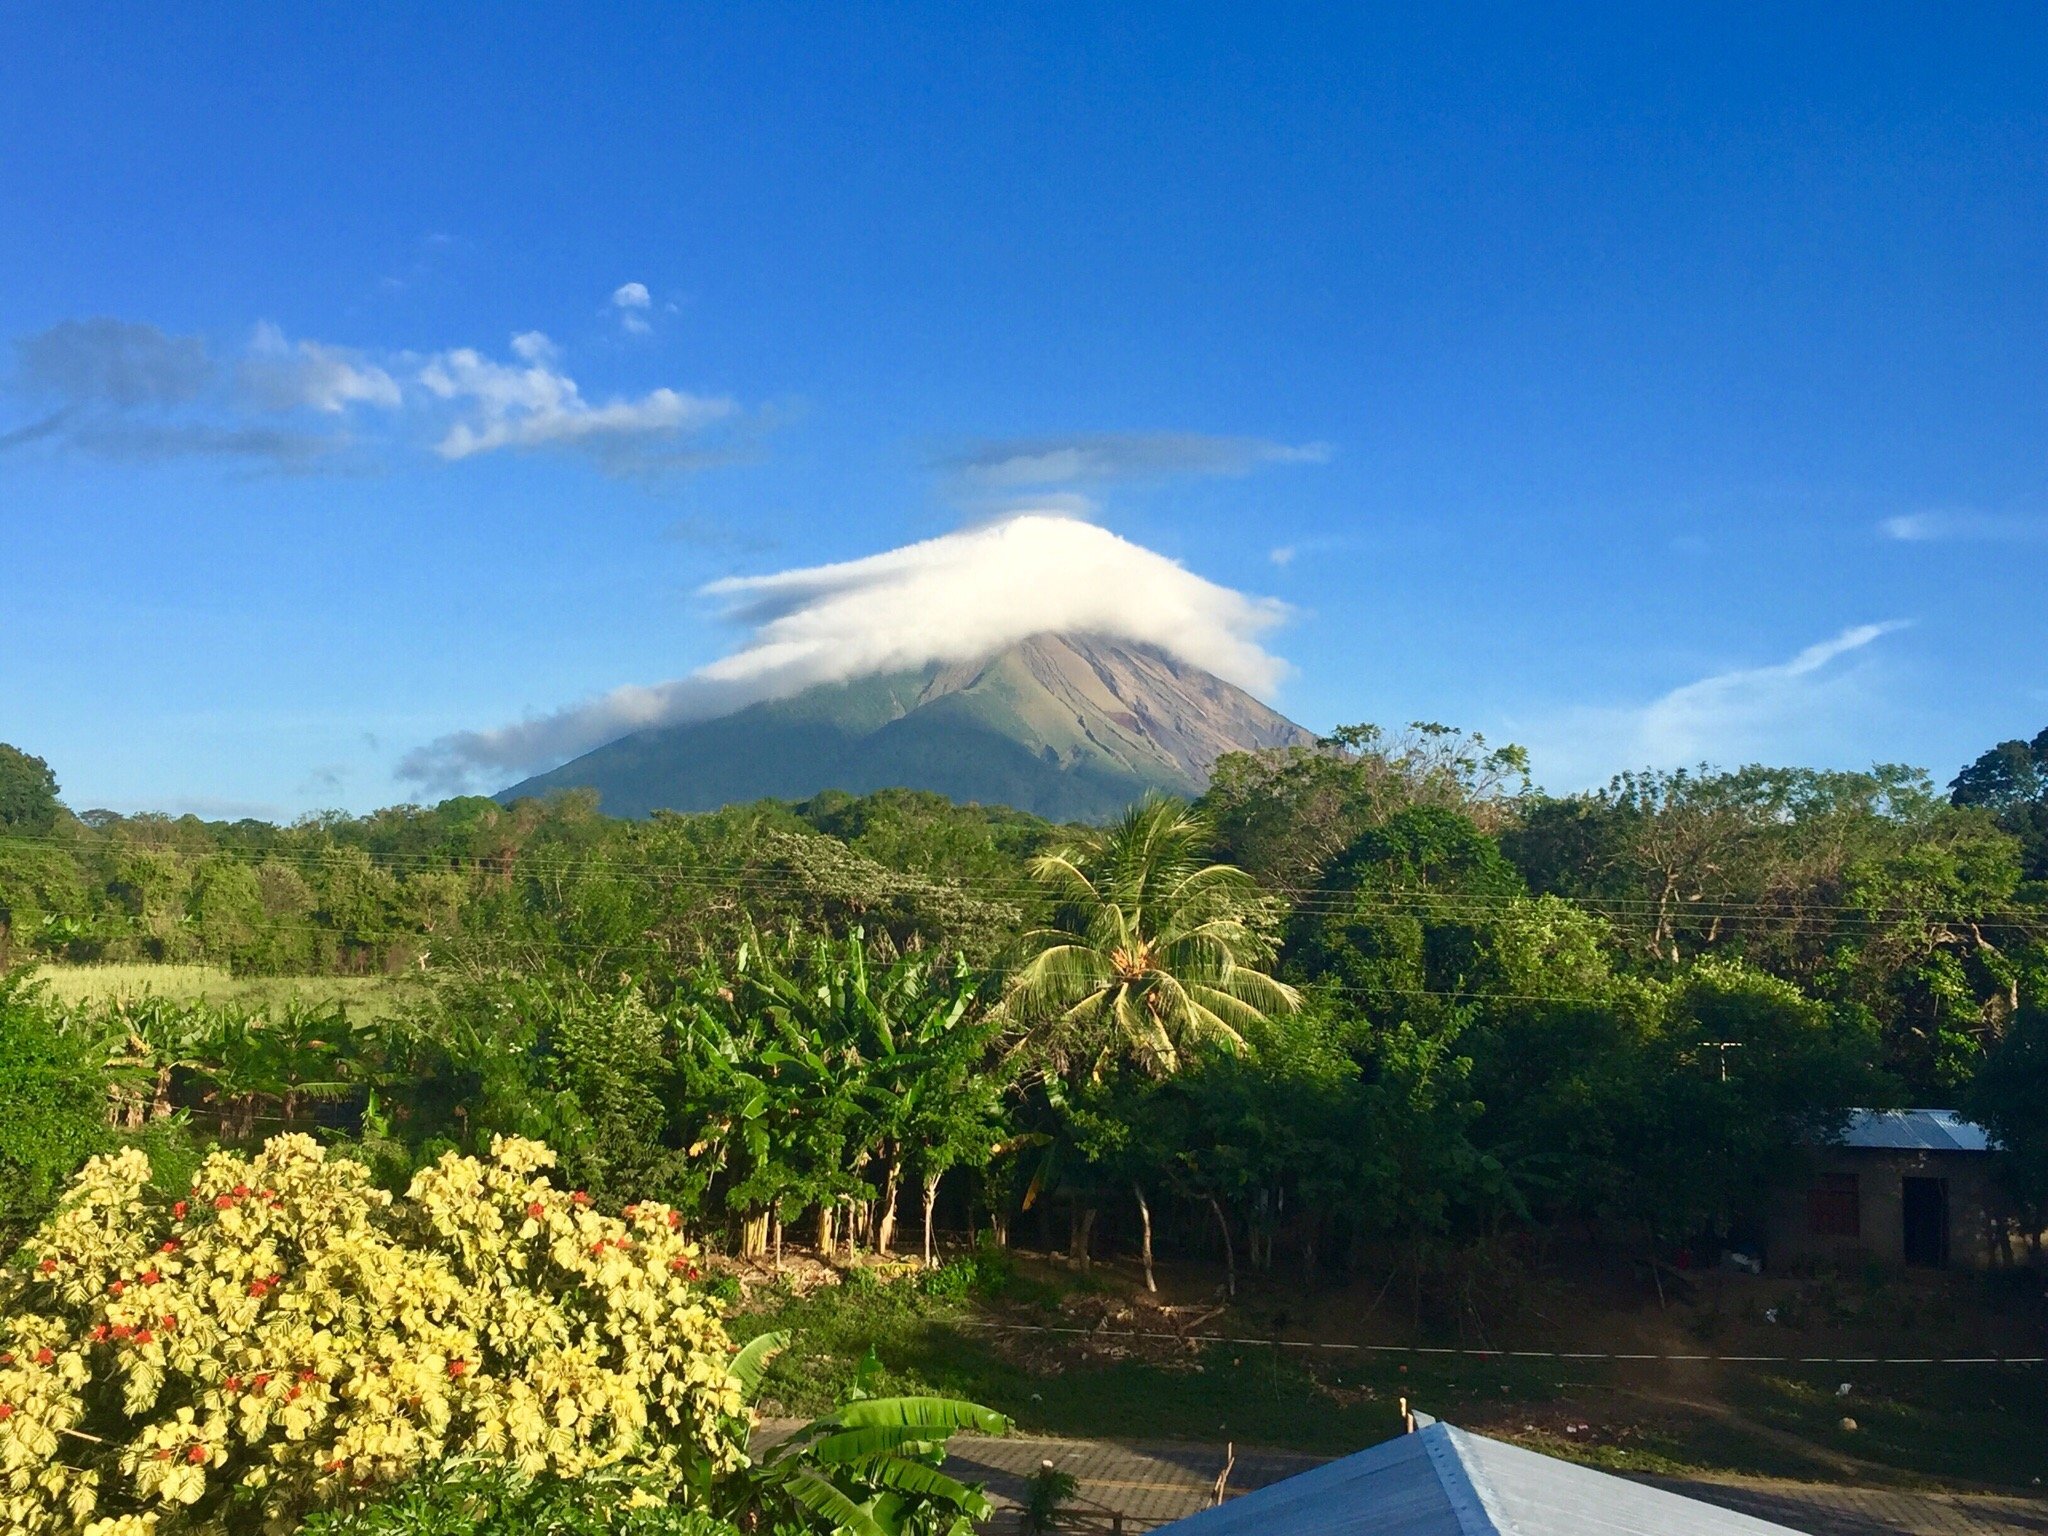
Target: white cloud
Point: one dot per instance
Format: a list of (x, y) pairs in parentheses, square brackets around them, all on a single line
[(951, 598), (537, 405), (632, 300), (125, 390), (1092, 457), (1282, 554), (280, 376), (1794, 709), (1977, 527)]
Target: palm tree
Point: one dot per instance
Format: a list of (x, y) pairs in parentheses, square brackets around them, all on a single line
[(1152, 950)]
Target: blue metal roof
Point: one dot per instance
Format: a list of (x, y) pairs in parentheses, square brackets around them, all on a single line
[(1442, 1481), (1915, 1130)]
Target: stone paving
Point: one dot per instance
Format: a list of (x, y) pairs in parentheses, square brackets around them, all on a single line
[(1149, 1484)]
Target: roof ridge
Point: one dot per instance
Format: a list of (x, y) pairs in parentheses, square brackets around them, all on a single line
[(1471, 1497)]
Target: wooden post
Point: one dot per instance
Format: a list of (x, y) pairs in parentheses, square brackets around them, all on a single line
[(1223, 1477)]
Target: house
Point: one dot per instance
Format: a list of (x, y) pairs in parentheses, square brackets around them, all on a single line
[(1904, 1186), (1443, 1481)]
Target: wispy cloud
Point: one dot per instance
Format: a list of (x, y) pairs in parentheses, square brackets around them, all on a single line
[(114, 362), (278, 375), (125, 390), (129, 391), (632, 301), (533, 404), (1962, 527), (1787, 709), (951, 598), (1096, 457)]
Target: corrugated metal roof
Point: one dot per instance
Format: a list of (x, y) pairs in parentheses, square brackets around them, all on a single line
[(1914, 1130), (1441, 1481)]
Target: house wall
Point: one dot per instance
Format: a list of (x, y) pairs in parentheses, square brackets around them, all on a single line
[(1973, 1209)]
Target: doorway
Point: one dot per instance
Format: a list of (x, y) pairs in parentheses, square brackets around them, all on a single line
[(1926, 1221)]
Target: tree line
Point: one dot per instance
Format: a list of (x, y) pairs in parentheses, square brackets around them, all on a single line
[(1376, 1002)]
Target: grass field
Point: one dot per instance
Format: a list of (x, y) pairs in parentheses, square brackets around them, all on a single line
[(366, 996), (1916, 1426)]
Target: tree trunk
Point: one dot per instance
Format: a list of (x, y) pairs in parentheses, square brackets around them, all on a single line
[(931, 1198), (1229, 1250), (160, 1105), (1145, 1237), (825, 1234), (1080, 1234), (775, 1231), (754, 1235), (885, 1224)]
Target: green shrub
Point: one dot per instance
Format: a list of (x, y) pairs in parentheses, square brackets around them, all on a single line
[(54, 1088), (496, 1501)]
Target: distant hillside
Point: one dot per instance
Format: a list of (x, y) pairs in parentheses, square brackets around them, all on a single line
[(1069, 727)]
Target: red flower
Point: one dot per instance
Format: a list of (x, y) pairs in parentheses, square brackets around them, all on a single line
[(336, 1465), (224, 1202), (259, 1288), (168, 1323), (170, 1245), (242, 1190), (579, 1198), (117, 1287), (196, 1455), (46, 1356), (262, 1380), (178, 1209), (457, 1368), (232, 1384), (675, 1222), (48, 1266), (6, 1410), (99, 1334), (149, 1277), (309, 1375), (122, 1330), (144, 1336), (536, 1210), (630, 1212), (293, 1395), (270, 1194)]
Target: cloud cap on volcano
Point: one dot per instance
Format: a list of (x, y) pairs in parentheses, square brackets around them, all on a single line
[(952, 598)]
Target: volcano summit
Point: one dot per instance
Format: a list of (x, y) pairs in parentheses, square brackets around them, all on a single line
[(1072, 727)]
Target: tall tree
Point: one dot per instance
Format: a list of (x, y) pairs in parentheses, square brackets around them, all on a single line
[(28, 792), (1152, 950), (2011, 780)]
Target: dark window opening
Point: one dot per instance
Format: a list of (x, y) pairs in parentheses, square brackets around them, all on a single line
[(1834, 1207)]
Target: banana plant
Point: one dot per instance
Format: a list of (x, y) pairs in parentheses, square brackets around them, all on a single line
[(871, 1466)]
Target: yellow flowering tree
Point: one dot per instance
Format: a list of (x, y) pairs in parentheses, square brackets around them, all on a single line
[(288, 1336)]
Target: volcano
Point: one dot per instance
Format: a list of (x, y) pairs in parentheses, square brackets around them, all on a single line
[(1068, 727)]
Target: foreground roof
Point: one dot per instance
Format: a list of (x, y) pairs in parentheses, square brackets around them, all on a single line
[(1914, 1130), (1442, 1481)]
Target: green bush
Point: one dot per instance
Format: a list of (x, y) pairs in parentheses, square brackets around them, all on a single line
[(494, 1501), (54, 1088)]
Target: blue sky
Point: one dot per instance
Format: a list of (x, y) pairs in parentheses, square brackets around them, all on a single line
[(1646, 388)]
